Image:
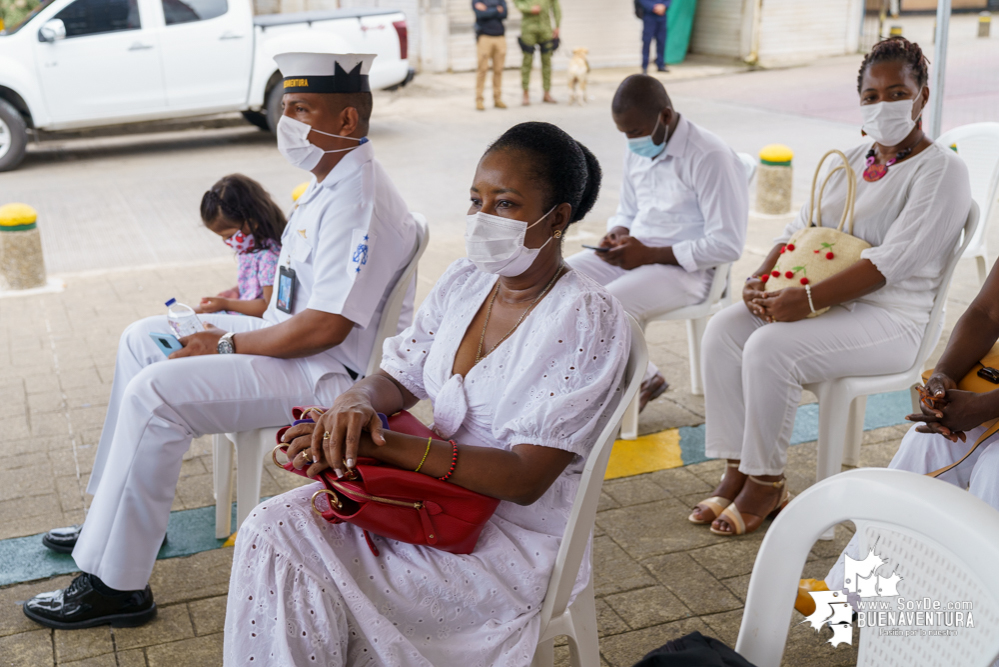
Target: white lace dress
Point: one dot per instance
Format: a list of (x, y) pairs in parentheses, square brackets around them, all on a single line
[(305, 592)]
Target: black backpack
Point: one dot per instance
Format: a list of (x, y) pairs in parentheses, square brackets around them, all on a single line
[(639, 10)]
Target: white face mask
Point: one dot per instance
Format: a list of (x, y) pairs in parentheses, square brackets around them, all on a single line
[(293, 142), (496, 245), (889, 123)]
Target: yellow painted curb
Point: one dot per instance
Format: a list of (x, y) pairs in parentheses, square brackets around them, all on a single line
[(657, 451), (230, 542)]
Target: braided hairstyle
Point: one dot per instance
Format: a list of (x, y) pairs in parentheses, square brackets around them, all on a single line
[(897, 49), (238, 200), (567, 169)]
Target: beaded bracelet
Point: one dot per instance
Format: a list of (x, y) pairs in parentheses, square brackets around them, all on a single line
[(808, 291), (454, 460), (425, 454)]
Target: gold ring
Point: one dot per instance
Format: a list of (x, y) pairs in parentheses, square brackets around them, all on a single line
[(326, 436)]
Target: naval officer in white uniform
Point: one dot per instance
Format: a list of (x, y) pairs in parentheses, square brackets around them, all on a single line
[(345, 246), (684, 209)]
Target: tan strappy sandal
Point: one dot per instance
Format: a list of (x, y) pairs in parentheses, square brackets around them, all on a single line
[(715, 503), (735, 519)]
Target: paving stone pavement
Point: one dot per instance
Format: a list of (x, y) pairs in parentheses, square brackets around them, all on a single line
[(656, 575)]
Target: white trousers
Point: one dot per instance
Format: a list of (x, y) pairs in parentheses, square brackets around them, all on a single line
[(925, 452), (157, 407), (647, 290), (753, 373)]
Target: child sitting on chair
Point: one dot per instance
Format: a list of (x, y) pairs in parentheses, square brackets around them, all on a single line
[(238, 209)]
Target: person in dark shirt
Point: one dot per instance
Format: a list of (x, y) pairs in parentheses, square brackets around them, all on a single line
[(490, 44), (654, 25)]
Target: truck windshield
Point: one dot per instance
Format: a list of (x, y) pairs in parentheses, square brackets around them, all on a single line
[(17, 25)]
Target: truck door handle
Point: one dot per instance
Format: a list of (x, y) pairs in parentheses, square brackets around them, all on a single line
[(230, 35), (139, 46)]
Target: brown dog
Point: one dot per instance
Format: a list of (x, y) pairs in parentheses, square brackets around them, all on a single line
[(579, 72)]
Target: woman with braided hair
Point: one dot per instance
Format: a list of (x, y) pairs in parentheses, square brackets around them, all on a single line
[(912, 198), (238, 209)]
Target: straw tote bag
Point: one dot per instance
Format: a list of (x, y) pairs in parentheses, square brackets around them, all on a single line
[(816, 252)]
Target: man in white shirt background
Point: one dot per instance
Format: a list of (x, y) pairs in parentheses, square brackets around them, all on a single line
[(347, 242), (683, 209)]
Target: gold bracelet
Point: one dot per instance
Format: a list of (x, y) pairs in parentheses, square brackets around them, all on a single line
[(425, 454)]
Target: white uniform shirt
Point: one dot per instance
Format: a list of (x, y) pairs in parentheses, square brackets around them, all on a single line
[(694, 196), (912, 217), (348, 241)]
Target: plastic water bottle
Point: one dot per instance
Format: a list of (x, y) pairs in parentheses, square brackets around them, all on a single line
[(182, 319)]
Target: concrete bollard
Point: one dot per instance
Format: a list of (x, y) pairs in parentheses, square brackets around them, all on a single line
[(984, 24), (773, 180), (21, 263)]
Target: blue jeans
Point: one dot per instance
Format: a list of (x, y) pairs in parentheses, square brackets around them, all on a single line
[(654, 26)]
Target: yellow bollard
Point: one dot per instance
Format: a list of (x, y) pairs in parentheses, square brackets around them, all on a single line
[(984, 24), (773, 180), (895, 31), (21, 263)]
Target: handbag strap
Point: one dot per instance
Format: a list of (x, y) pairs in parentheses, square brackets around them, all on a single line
[(815, 207), (989, 432)]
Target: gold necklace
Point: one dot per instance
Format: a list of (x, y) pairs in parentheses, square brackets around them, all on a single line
[(479, 354)]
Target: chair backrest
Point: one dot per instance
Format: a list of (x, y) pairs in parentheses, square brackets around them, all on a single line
[(389, 322), (936, 514), (749, 162), (978, 145), (940, 299), (584, 507)]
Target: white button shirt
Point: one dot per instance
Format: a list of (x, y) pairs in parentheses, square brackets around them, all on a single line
[(694, 196), (348, 241)]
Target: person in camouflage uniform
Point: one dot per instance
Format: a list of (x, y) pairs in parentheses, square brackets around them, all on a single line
[(536, 31)]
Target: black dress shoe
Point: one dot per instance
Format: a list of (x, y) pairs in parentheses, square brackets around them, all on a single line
[(87, 602), (64, 539)]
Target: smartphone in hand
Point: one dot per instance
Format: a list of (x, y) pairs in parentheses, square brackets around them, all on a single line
[(167, 343), (595, 248)]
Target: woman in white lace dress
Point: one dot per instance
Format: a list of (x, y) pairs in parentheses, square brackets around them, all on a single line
[(521, 358)]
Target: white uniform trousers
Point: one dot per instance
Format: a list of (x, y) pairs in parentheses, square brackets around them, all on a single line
[(753, 372), (647, 290), (157, 406), (925, 452)]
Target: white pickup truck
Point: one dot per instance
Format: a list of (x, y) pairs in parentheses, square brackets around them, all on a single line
[(74, 64)]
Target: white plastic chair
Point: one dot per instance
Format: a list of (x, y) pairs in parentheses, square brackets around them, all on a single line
[(978, 145), (843, 401), (719, 296), (578, 621), (252, 446), (941, 538)]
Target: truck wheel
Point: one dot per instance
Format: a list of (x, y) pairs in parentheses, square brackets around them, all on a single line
[(274, 107), (256, 118), (13, 136)]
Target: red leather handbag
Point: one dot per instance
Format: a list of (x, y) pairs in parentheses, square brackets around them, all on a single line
[(397, 504)]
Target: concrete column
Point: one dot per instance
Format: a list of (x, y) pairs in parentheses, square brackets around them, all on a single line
[(435, 32)]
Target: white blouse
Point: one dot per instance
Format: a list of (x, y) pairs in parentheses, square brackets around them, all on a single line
[(547, 384), (912, 217)]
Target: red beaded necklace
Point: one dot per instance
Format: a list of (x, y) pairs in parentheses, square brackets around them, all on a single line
[(875, 172)]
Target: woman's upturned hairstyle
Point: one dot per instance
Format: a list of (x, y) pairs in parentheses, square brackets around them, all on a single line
[(239, 200), (897, 49), (568, 170)]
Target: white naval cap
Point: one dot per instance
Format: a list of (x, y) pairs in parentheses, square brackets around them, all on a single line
[(325, 72)]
